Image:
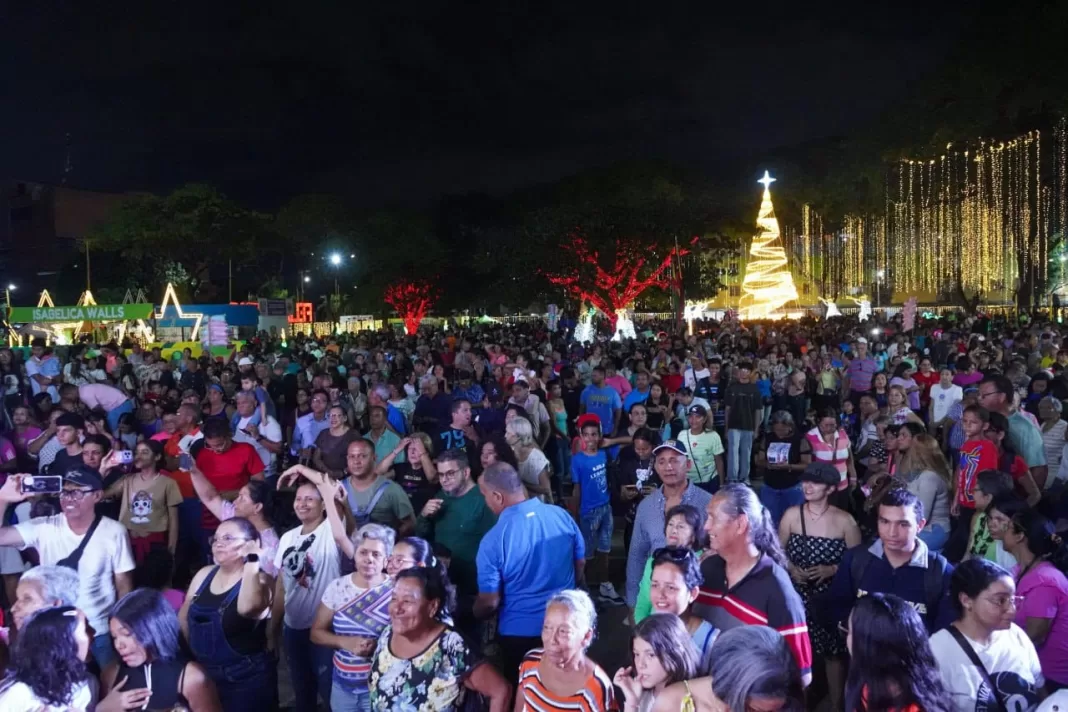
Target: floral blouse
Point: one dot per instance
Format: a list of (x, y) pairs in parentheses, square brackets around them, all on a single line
[(432, 681)]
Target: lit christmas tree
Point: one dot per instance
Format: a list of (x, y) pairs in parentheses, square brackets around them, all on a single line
[(768, 283)]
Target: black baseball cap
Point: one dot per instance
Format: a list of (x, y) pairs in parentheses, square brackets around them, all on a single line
[(822, 473), (84, 477), (697, 410)]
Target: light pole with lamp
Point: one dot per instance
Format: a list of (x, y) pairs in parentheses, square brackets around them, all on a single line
[(335, 259), (7, 314), (878, 286)]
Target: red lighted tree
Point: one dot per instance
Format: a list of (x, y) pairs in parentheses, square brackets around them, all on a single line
[(411, 299), (616, 285)]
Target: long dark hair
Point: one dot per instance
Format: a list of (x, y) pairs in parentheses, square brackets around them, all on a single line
[(892, 664), (1042, 538), (501, 447), (152, 621), (45, 656), (671, 642), (971, 578)]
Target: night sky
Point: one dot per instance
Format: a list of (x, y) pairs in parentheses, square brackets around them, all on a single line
[(399, 103)]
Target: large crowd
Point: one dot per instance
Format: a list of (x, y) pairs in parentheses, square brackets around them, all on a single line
[(784, 515)]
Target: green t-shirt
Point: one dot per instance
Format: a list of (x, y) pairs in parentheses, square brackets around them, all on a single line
[(459, 526), (703, 449)]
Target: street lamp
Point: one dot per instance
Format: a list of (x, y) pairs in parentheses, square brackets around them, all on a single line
[(878, 284), (7, 296), (335, 259)]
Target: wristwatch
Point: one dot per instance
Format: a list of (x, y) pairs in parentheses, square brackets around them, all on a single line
[(252, 558)]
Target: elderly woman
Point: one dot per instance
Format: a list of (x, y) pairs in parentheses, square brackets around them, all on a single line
[(420, 662), (752, 669), (153, 672), (559, 675), (782, 454), (47, 670), (352, 616), (1054, 432), (43, 587), (534, 467)]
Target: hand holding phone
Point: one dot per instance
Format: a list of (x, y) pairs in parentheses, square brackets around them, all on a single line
[(42, 484)]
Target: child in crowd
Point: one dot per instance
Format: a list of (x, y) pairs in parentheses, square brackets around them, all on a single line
[(591, 501)]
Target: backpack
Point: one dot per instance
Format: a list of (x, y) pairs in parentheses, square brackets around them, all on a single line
[(362, 515), (933, 578)]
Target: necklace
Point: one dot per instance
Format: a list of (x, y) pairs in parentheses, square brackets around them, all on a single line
[(813, 516)]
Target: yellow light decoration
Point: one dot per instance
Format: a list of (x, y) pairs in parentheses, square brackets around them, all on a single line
[(170, 297), (768, 284)]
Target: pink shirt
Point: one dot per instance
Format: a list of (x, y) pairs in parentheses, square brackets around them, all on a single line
[(174, 597), (1045, 593), (98, 395), (621, 385)]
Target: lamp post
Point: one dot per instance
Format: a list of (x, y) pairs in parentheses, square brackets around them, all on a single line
[(878, 286), (7, 315), (335, 259)]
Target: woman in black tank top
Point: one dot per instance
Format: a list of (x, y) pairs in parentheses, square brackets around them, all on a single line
[(152, 672)]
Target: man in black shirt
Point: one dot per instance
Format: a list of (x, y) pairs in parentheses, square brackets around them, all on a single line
[(744, 410), (68, 430), (571, 394)]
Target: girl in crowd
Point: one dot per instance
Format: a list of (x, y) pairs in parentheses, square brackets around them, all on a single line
[(421, 663), (302, 408), (1042, 559), (153, 673), (47, 671), (560, 675), (661, 655), (657, 407), (990, 486), (352, 616), (926, 474), (903, 377), (224, 620), (675, 586), (494, 449), (254, 502), (534, 467), (816, 536), (752, 670), (984, 595), (417, 475), (891, 665), (897, 407), (881, 390), (636, 477), (149, 502)]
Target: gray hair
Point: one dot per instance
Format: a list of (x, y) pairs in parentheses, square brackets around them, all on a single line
[(753, 661), (1054, 403), (382, 391), (375, 532), (523, 430), (58, 584), (245, 394), (782, 416), (580, 605), (427, 380), (503, 478)]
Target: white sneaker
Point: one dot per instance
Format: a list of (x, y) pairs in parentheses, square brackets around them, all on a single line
[(607, 593)]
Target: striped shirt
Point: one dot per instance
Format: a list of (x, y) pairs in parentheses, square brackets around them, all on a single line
[(357, 612), (597, 695), (765, 596)]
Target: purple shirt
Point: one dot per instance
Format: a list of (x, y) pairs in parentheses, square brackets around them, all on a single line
[(860, 372), (1045, 593)]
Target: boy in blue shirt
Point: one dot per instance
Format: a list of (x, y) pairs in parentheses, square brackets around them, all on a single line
[(589, 473)]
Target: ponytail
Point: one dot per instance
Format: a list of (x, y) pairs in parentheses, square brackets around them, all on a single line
[(1042, 538), (740, 500)]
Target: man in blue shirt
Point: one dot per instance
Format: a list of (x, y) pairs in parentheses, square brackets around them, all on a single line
[(533, 551), (589, 473), (898, 563), (641, 390), (602, 400)]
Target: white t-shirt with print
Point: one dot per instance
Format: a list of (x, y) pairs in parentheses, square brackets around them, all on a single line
[(107, 553), (942, 399), (307, 564), (270, 431), (20, 698), (1011, 661)]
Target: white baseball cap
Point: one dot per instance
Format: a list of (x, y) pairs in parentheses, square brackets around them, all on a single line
[(861, 340), (244, 361)]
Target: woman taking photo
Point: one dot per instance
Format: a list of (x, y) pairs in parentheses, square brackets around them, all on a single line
[(753, 670), (683, 528), (925, 473), (661, 655), (1042, 559), (675, 585), (153, 673), (560, 675), (534, 469), (352, 616), (224, 620), (332, 446), (891, 665), (816, 535), (983, 646), (420, 662), (782, 454), (47, 669)]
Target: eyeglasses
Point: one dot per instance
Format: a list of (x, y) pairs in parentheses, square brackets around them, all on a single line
[(1005, 600), (449, 473), (988, 394), (75, 495), (225, 540), (401, 560)]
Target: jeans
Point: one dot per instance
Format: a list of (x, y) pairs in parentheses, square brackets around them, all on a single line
[(114, 415), (311, 668), (596, 527), (102, 649), (342, 700), (777, 501), (935, 538), (739, 455)]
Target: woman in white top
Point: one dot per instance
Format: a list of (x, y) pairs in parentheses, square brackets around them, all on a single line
[(47, 671), (1054, 433), (534, 467), (984, 595)]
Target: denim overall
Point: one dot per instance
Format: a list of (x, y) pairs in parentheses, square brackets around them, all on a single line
[(244, 682)]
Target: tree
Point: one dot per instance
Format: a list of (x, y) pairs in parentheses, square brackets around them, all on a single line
[(616, 286), (412, 300)]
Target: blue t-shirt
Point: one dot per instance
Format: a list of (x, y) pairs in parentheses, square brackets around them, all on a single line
[(528, 556), (602, 402), (635, 396), (590, 473)]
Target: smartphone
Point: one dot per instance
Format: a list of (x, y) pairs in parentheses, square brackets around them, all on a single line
[(42, 484), (124, 457), (185, 462)]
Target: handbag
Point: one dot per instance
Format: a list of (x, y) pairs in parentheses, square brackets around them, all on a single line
[(970, 652)]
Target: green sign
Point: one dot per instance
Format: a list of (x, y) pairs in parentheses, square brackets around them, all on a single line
[(92, 312)]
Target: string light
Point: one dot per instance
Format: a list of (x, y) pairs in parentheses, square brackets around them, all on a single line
[(768, 283)]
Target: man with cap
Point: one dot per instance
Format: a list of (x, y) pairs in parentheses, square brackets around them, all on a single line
[(69, 427), (860, 371), (672, 462), (98, 548), (705, 448)]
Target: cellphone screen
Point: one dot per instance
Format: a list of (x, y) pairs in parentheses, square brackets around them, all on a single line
[(42, 484), (185, 461)]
